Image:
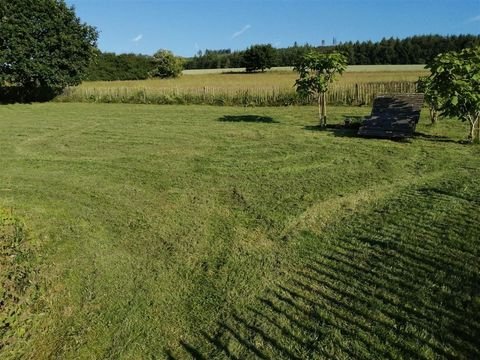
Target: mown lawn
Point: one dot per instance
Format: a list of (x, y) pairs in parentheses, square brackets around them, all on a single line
[(217, 232)]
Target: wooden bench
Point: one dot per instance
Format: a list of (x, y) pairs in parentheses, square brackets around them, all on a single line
[(393, 116)]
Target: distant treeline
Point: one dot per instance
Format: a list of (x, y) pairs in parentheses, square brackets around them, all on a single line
[(411, 50)]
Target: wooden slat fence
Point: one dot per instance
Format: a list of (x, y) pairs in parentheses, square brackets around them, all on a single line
[(339, 94)]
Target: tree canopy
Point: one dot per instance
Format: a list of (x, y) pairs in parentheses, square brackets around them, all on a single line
[(456, 79), (316, 73), (110, 66), (43, 44), (166, 65), (259, 57)]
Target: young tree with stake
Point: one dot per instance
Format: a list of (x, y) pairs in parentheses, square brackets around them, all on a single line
[(433, 99), (316, 73)]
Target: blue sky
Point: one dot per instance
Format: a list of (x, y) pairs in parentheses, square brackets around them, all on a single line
[(185, 26)]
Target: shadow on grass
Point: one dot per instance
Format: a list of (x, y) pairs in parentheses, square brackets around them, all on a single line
[(398, 282), (338, 130), (23, 95), (437, 138), (241, 72), (248, 118), (353, 121)]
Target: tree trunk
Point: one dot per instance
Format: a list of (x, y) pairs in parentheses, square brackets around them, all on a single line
[(476, 139), (324, 109), (433, 116), (471, 136), (478, 131), (320, 109)]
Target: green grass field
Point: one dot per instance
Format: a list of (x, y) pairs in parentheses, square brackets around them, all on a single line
[(142, 232)]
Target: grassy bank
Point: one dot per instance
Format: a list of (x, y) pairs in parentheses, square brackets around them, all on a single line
[(224, 232)]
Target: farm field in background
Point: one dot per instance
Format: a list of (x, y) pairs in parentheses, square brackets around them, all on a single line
[(225, 232), (359, 85), (350, 68), (284, 79)]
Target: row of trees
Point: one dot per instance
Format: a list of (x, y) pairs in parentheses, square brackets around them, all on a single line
[(411, 50), (109, 66)]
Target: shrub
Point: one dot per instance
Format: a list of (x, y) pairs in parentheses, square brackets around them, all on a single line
[(167, 65)]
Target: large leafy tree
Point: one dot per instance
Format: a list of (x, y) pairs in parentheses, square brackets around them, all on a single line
[(259, 57), (455, 78), (316, 72), (166, 65), (43, 44)]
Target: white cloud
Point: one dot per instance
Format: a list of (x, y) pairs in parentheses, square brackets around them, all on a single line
[(473, 19), (240, 32), (137, 38)]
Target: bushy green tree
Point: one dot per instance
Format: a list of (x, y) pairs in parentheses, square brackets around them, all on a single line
[(166, 65), (432, 97), (456, 78), (316, 72), (43, 44), (259, 57)]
